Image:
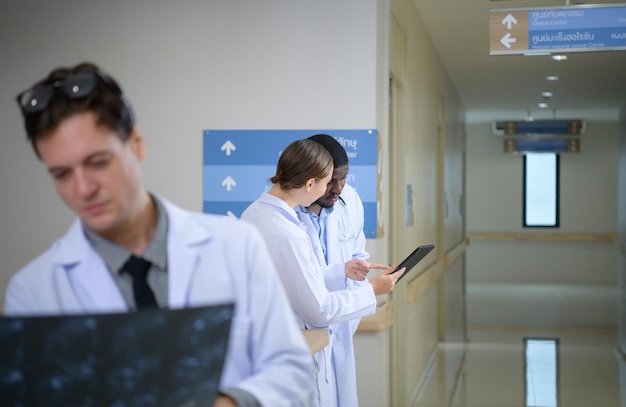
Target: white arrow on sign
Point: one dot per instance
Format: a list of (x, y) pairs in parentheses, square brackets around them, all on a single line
[(228, 147), (229, 183), (509, 20), (507, 40)]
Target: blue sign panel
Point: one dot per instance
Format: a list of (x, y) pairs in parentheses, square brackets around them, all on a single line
[(574, 127), (542, 146), (562, 29), (237, 166), (579, 17)]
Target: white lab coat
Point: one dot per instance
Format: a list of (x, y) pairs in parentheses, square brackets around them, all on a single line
[(302, 276), (211, 260), (345, 240)]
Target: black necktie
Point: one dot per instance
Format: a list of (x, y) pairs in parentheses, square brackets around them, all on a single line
[(138, 268)]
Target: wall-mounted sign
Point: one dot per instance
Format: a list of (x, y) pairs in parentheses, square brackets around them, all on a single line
[(539, 127), (523, 146), (561, 29), (237, 165)]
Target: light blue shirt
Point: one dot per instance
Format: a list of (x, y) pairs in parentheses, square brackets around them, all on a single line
[(319, 222)]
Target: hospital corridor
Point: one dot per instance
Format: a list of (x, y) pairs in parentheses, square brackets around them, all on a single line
[(492, 130), (527, 367)]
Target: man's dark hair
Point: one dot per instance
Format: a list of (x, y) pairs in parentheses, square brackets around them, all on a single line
[(106, 100), (336, 150)]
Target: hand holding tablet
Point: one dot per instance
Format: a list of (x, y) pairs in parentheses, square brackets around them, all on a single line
[(415, 257), (357, 269)]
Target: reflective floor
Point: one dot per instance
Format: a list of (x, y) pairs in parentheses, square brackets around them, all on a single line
[(504, 369)]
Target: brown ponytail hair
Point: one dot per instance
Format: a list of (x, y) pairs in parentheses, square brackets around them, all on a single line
[(301, 161)]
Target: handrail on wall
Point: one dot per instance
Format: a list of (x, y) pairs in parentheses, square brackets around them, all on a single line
[(544, 237), (425, 279), (381, 320), (420, 283), (456, 252)]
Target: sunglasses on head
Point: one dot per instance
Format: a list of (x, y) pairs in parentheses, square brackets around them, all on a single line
[(75, 86)]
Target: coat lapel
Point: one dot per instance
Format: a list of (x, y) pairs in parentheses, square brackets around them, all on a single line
[(333, 246), (85, 284), (83, 280), (185, 235), (312, 233)]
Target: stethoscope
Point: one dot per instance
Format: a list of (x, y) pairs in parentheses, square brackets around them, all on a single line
[(346, 227)]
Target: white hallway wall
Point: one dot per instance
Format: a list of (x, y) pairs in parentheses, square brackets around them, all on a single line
[(187, 66), (526, 283)]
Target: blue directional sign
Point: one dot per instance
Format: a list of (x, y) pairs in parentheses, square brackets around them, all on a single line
[(525, 146), (556, 127), (562, 29), (237, 166)]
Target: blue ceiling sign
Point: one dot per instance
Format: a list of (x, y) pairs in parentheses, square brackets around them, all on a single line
[(562, 29)]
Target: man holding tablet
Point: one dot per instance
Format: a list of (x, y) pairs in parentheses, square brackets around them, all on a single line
[(335, 227)]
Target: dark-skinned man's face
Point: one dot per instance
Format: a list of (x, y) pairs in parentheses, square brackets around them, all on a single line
[(334, 187)]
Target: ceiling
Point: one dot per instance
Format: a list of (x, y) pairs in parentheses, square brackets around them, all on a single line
[(592, 85)]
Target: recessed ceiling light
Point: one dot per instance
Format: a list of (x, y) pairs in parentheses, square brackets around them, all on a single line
[(542, 105), (552, 78), (546, 94), (559, 57)]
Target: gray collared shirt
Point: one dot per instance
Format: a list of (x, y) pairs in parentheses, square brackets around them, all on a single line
[(114, 256)]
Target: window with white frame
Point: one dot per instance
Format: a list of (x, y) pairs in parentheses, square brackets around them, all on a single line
[(541, 190)]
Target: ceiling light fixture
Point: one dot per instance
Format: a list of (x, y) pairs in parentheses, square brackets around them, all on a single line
[(542, 105), (559, 57), (552, 78), (546, 95), (529, 117), (536, 54)]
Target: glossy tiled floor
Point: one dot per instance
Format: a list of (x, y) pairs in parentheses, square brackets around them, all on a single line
[(490, 371)]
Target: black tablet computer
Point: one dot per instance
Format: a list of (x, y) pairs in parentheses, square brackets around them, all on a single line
[(415, 257)]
